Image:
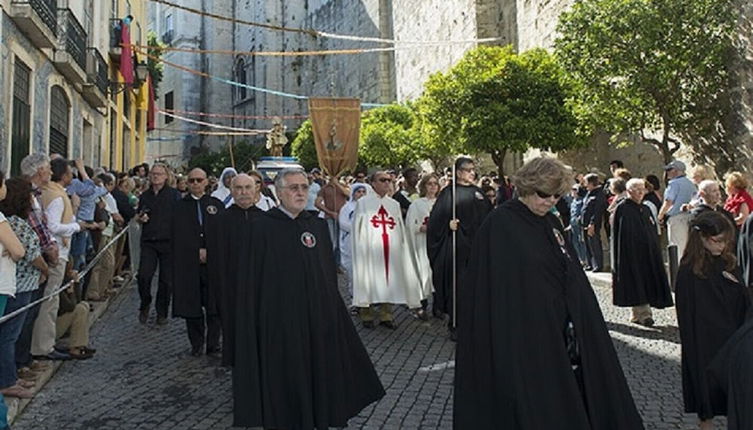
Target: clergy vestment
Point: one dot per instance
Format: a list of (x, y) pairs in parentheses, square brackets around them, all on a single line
[(731, 374), (418, 216), (709, 311), (533, 349), (384, 270), (638, 274), (471, 209), (299, 363), (192, 290), (228, 240)]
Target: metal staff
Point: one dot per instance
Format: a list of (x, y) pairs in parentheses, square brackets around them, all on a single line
[(454, 254)]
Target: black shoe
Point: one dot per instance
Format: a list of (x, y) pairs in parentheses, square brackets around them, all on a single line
[(143, 316), (369, 324), (196, 351), (437, 313), (54, 356), (648, 322), (214, 353), (389, 324), (161, 320), (453, 334)]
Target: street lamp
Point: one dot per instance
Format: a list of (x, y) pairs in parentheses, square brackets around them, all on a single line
[(142, 71)]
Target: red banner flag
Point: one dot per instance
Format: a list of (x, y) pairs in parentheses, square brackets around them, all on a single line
[(126, 56)]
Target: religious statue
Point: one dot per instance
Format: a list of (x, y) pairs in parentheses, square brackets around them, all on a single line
[(276, 139)]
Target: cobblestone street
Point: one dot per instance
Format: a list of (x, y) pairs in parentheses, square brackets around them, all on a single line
[(143, 376)]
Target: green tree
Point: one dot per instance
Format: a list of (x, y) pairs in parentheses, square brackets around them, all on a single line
[(156, 68), (303, 146), (496, 101), (388, 137), (658, 65), (244, 153)]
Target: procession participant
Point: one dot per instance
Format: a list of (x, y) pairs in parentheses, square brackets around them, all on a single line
[(299, 363), (384, 271), (711, 305), (331, 198), (416, 223), (639, 278), (155, 215), (533, 349), (594, 207), (222, 193), (732, 373), (261, 201), (470, 210), (194, 297), (345, 218), (228, 234)]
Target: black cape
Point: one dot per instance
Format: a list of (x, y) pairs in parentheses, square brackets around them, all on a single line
[(638, 275), (709, 311), (471, 209), (299, 363), (731, 373), (513, 369), (187, 237), (228, 246)]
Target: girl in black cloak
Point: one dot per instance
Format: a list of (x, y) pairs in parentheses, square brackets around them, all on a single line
[(711, 306)]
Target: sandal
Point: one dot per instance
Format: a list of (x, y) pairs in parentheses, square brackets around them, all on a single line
[(80, 353)]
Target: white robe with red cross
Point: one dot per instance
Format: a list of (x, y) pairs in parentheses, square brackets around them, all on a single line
[(384, 269)]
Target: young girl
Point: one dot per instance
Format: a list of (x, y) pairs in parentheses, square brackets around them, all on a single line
[(711, 306)]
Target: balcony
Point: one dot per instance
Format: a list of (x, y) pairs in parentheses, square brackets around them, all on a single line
[(95, 88), (116, 50), (37, 19), (70, 58)]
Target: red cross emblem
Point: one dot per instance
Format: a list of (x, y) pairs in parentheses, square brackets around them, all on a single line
[(383, 220)]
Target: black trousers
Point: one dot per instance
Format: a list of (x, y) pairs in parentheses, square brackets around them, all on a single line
[(209, 323), (153, 253), (595, 252), (23, 343)]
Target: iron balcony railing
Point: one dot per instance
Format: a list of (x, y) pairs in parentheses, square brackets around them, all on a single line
[(74, 38), (97, 70), (47, 11), (115, 32)]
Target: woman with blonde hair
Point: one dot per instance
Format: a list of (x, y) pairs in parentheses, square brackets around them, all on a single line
[(531, 336), (739, 202), (416, 222)]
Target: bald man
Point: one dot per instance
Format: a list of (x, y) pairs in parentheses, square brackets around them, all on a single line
[(194, 298), (229, 238)]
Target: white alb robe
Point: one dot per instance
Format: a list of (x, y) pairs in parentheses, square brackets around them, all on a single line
[(418, 215), (374, 279)]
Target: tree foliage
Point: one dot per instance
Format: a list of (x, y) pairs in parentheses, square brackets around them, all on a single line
[(388, 137), (244, 153), (497, 101), (658, 65), (303, 146), (155, 67)]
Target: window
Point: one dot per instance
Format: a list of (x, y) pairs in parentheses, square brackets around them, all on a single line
[(59, 118), (240, 77), (167, 36), (21, 116), (169, 106), (89, 22), (88, 141)]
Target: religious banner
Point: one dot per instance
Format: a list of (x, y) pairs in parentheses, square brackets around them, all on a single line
[(336, 123)]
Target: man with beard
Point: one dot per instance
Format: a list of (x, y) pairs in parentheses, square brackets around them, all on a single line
[(299, 363), (194, 298), (229, 237), (639, 279), (470, 210)]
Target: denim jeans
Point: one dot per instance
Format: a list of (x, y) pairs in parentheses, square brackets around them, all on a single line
[(9, 332), (3, 408), (79, 246)]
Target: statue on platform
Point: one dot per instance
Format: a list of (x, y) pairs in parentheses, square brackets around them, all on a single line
[(276, 139)]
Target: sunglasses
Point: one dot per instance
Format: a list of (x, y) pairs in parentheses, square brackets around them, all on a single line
[(544, 195), (195, 180)]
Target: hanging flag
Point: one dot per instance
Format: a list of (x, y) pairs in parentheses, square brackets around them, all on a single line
[(151, 112), (336, 123), (126, 56)]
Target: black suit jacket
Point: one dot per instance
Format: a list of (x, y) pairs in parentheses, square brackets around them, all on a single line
[(593, 209)]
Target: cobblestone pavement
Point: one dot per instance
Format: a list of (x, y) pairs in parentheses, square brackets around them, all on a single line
[(144, 378)]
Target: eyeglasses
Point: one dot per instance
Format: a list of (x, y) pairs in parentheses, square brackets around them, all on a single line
[(384, 180), (297, 187), (432, 183), (544, 195), (195, 180)]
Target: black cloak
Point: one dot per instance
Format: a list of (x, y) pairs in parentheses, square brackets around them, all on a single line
[(471, 209), (228, 239), (523, 287), (731, 372), (188, 236), (638, 275), (709, 311), (299, 363)]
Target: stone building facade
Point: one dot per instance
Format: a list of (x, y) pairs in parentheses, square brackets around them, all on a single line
[(55, 76)]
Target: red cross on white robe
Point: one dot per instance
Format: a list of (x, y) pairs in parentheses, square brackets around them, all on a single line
[(384, 220)]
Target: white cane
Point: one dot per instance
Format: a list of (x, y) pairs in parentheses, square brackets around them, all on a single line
[(454, 256)]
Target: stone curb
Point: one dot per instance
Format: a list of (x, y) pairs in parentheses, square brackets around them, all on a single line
[(15, 405)]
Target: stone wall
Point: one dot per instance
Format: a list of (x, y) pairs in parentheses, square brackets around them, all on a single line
[(537, 22)]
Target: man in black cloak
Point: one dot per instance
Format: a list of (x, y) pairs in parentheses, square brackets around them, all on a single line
[(228, 238), (533, 350), (594, 208), (471, 209), (638, 276), (731, 375), (194, 298), (299, 363)]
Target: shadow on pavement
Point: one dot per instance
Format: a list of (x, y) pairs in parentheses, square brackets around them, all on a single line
[(665, 333)]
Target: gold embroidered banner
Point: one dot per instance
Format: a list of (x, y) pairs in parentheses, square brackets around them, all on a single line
[(336, 123)]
